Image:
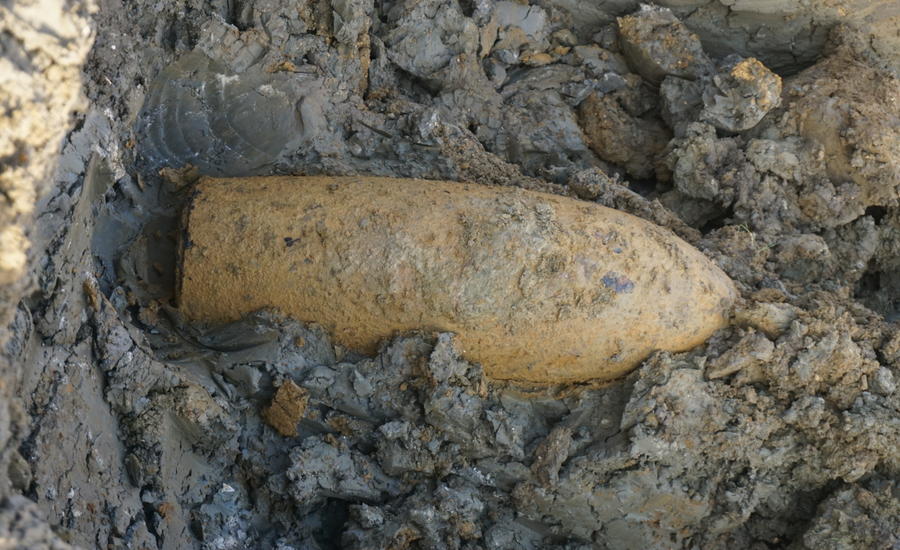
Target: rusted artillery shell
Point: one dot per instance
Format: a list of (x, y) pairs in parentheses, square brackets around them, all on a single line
[(539, 288)]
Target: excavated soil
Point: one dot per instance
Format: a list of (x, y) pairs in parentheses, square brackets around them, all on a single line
[(765, 134)]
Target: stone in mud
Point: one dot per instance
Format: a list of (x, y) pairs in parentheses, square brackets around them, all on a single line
[(539, 288), (740, 94), (657, 44)]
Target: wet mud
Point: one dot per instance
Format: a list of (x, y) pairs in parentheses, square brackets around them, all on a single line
[(766, 135)]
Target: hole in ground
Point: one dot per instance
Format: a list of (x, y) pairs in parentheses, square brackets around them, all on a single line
[(879, 289), (717, 222), (467, 7), (877, 212)]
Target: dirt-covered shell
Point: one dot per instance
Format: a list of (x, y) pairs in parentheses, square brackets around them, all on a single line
[(539, 288)]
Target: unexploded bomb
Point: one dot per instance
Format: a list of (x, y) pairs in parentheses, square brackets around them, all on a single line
[(539, 288)]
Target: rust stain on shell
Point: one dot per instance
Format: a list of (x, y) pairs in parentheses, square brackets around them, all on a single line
[(539, 288)]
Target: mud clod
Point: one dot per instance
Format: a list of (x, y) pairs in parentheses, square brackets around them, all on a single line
[(740, 94), (633, 142), (657, 44), (287, 408)]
